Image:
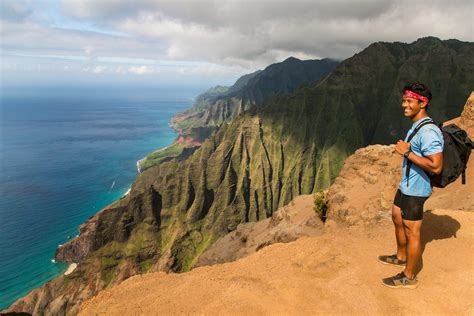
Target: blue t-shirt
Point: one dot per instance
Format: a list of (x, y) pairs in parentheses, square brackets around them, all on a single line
[(427, 141)]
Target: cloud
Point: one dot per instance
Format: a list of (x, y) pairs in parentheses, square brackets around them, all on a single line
[(141, 70), (215, 38), (256, 33), (99, 69), (225, 13), (211, 70)]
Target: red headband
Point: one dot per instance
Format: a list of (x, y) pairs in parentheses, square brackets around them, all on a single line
[(411, 94)]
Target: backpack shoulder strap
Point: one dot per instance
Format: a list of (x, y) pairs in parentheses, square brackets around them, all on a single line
[(408, 167), (419, 127)]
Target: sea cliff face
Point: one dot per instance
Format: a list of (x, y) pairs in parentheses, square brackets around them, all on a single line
[(252, 165)]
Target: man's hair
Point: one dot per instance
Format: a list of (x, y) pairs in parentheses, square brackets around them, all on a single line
[(419, 88)]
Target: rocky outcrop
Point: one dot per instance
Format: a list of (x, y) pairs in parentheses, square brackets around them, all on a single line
[(255, 164), (467, 117), (113, 223), (78, 248), (372, 174), (363, 192)]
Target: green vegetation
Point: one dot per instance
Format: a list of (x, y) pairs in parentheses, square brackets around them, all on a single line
[(199, 247), (200, 133), (108, 273), (158, 156), (187, 123), (194, 134), (222, 104), (141, 248), (206, 98), (146, 265), (320, 206)]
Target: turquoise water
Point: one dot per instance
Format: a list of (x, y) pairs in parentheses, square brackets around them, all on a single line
[(63, 157)]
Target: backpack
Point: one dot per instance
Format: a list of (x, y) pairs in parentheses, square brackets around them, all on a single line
[(456, 151)]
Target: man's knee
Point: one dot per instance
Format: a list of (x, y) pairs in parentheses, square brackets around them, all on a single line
[(412, 229), (397, 215)]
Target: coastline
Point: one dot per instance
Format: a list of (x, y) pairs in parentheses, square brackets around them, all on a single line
[(126, 193), (182, 142), (52, 269)]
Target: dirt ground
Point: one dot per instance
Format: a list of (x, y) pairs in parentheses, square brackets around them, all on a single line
[(335, 273)]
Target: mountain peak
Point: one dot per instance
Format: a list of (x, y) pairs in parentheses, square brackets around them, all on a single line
[(291, 59), (428, 39)]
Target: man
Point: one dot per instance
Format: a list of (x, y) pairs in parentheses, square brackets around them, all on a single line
[(425, 152)]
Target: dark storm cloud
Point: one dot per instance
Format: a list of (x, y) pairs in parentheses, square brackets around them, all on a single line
[(259, 32), (221, 13)]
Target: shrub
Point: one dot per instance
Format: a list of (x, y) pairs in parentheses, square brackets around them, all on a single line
[(320, 206)]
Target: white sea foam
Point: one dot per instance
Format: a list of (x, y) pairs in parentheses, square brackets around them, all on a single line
[(138, 166), (126, 193), (113, 184)]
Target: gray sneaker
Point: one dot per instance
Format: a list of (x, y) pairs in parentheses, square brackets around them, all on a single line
[(392, 260), (400, 281)]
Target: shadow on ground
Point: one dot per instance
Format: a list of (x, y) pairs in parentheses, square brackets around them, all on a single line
[(436, 227)]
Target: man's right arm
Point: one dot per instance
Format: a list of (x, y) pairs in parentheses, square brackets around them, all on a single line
[(432, 163)]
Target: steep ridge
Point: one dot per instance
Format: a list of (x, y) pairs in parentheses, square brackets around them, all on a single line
[(336, 272), (212, 109), (221, 104), (251, 166)]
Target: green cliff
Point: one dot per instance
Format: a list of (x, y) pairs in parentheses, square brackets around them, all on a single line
[(221, 104)]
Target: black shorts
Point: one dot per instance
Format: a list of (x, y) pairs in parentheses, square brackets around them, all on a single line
[(411, 206)]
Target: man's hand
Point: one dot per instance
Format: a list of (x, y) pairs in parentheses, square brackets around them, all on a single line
[(402, 147), (432, 163)]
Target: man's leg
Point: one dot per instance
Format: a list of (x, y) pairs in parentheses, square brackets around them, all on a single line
[(412, 230), (411, 218), (399, 233)]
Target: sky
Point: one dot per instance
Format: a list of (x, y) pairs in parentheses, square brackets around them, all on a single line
[(202, 42)]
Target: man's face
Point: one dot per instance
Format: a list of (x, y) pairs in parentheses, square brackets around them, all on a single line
[(411, 107)]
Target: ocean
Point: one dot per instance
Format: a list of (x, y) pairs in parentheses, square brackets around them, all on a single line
[(64, 155)]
